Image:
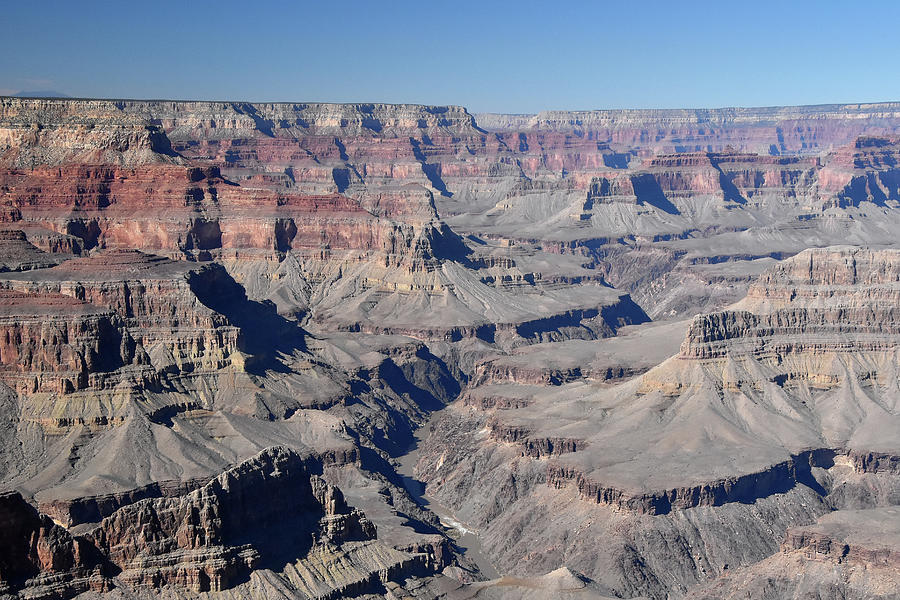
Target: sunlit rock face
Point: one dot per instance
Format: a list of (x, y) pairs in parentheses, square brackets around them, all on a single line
[(672, 331), (772, 413)]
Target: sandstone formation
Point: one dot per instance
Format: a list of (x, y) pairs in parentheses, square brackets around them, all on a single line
[(771, 404), (223, 326), (209, 539), (846, 554), (43, 559)]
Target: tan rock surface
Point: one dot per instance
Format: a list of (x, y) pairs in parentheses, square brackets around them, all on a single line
[(186, 284)]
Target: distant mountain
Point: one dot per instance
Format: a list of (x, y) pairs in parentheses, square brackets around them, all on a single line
[(41, 94)]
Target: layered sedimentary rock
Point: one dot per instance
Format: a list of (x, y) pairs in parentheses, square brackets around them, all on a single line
[(189, 283), (780, 130), (780, 403), (41, 559), (208, 375), (107, 206), (856, 537), (846, 554), (93, 509), (258, 514), (40, 132), (85, 337), (53, 343), (379, 235), (211, 538), (163, 304), (303, 168), (21, 254), (619, 358)]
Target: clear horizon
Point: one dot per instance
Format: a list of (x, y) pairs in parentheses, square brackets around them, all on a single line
[(307, 101), (489, 57)]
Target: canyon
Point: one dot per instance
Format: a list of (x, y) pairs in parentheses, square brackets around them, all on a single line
[(308, 350)]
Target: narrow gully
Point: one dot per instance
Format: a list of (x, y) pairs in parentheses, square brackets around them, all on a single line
[(466, 539)]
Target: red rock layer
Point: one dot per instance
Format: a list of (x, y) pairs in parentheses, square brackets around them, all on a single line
[(43, 559), (141, 311), (208, 539), (118, 207), (51, 342), (822, 546), (359, 176)]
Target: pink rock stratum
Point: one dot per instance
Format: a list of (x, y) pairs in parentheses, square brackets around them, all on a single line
[(400, 351)]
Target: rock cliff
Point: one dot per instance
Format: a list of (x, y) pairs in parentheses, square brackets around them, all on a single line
[(213, 537), (779, 403), (209, 539), (846, 554), (222, 323), (41, 559)]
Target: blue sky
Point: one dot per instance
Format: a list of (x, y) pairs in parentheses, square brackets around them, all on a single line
[(488, 56)]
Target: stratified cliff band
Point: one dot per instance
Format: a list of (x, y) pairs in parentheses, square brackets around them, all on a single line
[(366, 350)]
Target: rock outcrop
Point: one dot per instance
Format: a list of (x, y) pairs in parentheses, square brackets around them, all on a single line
[(846, 554), (40, 559), (209, 539), (867, 538), (780, 130), (162, 303), (220, 319), (782, 400), (270, 512), (54, 343)]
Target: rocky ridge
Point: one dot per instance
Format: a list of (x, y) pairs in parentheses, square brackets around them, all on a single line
[(209, 539), (778, 398), (190, 283), (840, 556)]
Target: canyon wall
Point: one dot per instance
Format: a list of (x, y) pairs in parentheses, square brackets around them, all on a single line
[(221, 324)]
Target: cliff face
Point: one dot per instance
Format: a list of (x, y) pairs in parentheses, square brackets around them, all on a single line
[(778, 403), (44, 558), (210, 538), (834, 302), (368, 182), (288, 141), (186, 284), (52, 343), (154, 353), (159, 302), (103, 199), (107, 207), (780, 130), (866, 537), (116, 318), (259, 514), (845, 554), (347, 190)]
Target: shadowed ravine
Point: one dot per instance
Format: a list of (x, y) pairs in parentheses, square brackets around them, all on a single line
[(466, 539), (631, 354)]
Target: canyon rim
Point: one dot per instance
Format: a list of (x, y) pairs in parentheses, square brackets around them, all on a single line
[(313, 350)]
